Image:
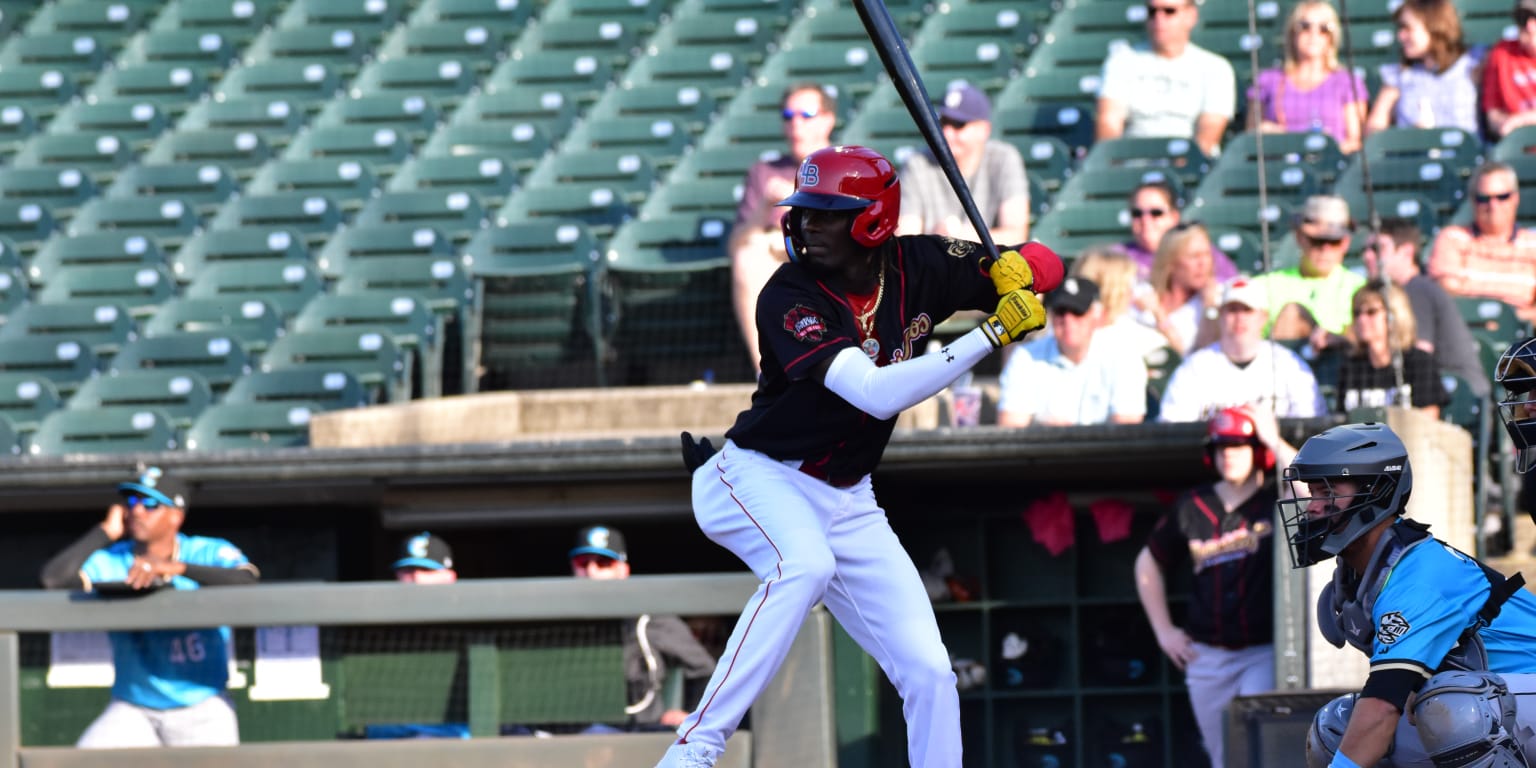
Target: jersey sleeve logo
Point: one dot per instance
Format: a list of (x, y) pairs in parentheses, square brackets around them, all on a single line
[(804, 324), (1393, 627), (958, 248)]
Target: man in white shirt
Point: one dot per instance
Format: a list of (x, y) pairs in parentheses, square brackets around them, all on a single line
[(1167, 86), (1242, 368), (1072, 377)]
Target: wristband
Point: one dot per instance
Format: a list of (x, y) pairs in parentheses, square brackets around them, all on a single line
[(1340, 760)]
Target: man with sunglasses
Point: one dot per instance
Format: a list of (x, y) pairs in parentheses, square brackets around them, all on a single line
[(168, 688), (1167, 86), (1313, 300), (756, 244), (1492, 258), (651, 643), (1509, 76)]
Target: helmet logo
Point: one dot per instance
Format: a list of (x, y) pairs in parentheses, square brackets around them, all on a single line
[(1393, 627), (804, 324), (810, 175)]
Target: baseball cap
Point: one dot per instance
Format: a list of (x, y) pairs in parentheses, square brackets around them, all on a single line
[(1326, 217), (153, 483), (965, 103), (1241, 290), (1525, 6), (425, 551), (600, 540), (1075, 295)]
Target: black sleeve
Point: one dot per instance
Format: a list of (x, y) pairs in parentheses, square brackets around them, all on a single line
[(1167, 543), (213, 576), (1393, 686), (62, 571), (1422, 371)]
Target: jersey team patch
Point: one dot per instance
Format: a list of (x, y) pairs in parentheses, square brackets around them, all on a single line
[(1393, 627), (958, 248), (804, 324)]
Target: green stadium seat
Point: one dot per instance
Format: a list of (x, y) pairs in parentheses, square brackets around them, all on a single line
[(718, 73), (171, 87), (77, 54), (851, 69), (1318, 151), (645, 14), (26, 398), (745, 34), (1113, 184), (138, 287), (887, 130), (414, 116), (749, 136), (1291, 183), (239, 150), (1491, 318), (488, 176), (687, 106), (546, 109), (371, 16), (181, 395), (347, 182), (103, 430), (1047, 157), (311, 216), (1459, 149), (580, 76), (237, 20), (61, 189), (110, 248), (251, 426), (984, 63), (339, 48), (408, 319), (236, 244), (367, 353), (444, 78), (205, 186), (447, 288), (503, 16), (286, 284), (1182, 156), (66, 362), (252, 322), (219, 357), (1070, 124), (1402, 205), (211, 52), (522, 144), (132, 121), (1437, 180), (10, 256), (778, 8), (382, 148), (714, 163), (25, 224), (1055, 88), (600, 208), (105, 17), (1120, 17), (661, 141), (467, 41), (16, 125), (13, 290), (275, 120), (104, 326), (1242, 247), (389, 240), (39, 90), (626, 171), (453, 213), (328, 390), (169, 220), (716, 196), (301, 84), (1070, 229), (614, 38), (1078, 53), (99, 154), (1244, 215), (1517, 143), (982, 23)]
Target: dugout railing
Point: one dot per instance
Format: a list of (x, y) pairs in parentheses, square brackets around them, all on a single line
[(790, 725)]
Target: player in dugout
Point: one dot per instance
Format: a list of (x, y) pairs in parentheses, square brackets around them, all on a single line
[(1452, 642), (789, 493), (168, 688)]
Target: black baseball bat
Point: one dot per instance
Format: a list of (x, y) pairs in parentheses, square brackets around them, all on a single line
[(898, 64)]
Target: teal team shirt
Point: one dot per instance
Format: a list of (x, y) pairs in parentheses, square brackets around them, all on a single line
[(167, 669), (1432, 595)]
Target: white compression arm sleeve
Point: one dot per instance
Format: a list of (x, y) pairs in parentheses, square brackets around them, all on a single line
[(885, 392)]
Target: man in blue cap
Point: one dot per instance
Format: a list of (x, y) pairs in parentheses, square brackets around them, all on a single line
[(168, 688), (425, 559)]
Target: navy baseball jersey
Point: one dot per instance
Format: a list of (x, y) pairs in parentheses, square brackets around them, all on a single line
[(802, 322), (166, 669), (1232, 556), (1430, 597)]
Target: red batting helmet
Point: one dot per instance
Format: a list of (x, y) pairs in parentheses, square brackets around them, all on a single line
[(848, 179), (1233, 426)]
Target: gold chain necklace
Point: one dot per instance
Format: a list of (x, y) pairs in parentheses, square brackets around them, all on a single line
[(867, 319)]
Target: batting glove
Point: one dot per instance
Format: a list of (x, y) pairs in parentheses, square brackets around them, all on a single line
[(1033, 266), (1010, 272), (1018, 313)]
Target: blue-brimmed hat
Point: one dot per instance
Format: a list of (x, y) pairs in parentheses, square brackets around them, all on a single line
[(152, 483), (600, 540), (425, 551)]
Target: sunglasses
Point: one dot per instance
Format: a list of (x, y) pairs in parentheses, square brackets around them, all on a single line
[(1165, 10), (583, 562), (1486, 199), (804, 114), (1308, 26), (1367, 311), (1321, 242), (150, 505), (1151, 213)]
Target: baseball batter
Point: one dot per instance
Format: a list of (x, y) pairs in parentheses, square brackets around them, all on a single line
[(1224, 532), (168, 688), (789, 492)]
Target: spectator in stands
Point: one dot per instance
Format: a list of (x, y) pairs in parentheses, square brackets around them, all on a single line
[(1167, 86), (1509, 77), (1312, 92), (1434, 84), (1069, 377), (1381, 366), (994, 171), (1154, 210), (1312, 300), (425, 559), (1242, 368), (1184, 286), (1394, 255), (1115, 275), (169, 685), (1492, 258), (756, 244), (651, 643)]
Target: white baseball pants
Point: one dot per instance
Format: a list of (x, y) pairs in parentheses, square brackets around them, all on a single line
[(1215, 677), (809, 541), (208, 723)]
